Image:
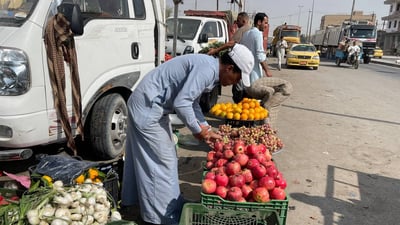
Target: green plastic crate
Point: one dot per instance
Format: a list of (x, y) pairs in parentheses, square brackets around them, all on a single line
[(279, 207), (198, 214)]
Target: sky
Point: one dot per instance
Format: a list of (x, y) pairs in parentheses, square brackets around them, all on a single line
[(297, 12)]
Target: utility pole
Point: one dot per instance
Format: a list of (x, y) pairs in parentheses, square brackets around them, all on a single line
[(298, 19), (217, 5), (176, 4), (308, 25), (352, 10), (312, 15)]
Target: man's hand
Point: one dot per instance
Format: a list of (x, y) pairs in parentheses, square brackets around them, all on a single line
[(207, 135)]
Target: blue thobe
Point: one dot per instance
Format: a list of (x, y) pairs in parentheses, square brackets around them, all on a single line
[(150, 176)]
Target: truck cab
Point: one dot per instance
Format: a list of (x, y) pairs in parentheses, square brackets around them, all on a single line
[(195, 33), (120, 41)]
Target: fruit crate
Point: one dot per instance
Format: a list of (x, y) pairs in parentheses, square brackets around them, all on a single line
[(279, 207), (198, 214), (241, 123)]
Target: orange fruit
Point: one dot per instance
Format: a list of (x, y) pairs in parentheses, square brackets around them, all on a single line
[(244, 117), (229, 115), (251, 117), (245, 105), (236, 116)]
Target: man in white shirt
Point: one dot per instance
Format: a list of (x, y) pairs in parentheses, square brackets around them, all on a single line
[(352, 50), (280, 51)]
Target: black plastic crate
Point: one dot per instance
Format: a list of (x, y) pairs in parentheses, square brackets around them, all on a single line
[(241, 123)]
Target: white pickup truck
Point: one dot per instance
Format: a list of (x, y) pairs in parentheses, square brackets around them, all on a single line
[(193, 34), (120, 42)]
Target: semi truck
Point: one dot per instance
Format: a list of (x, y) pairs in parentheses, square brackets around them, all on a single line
[(116, 44), (362, 32), (290, 33)]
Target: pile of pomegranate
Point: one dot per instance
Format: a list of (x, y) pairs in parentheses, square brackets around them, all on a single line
[(243, 172)]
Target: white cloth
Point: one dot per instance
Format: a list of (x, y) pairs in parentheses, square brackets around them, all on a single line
[(253, 40), (280, 51), (353, 49)]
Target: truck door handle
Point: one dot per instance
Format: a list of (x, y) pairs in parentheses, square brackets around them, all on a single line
[(135, 50)]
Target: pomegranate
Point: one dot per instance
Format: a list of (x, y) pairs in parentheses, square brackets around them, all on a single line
[(208, 186), (248, 176), (267, 182), (211, 156), (221, 191), (261, 194), (252, 149), (242, 159), (234, 194), (228, 154), (252, 163), (236, 180), (218, 146), (221, 179), (233, 167), (210, 175), (278, 194), (246, 190), (259, 171)]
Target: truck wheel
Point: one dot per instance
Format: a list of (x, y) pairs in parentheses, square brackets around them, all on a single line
[(107, 126), (337, 61), (367, 60), (208, 100)]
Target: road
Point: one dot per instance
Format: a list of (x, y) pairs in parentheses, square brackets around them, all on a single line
[(341, 158)]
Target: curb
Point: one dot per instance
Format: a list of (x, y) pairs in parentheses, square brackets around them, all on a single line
[(386, 63)]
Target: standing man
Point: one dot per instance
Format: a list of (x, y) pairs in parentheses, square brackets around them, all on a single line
[(243, 24), (281, 48), (253, 40), (150, 179)]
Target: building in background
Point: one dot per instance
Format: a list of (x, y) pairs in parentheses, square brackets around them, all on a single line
[(337, 20), (391, 34)]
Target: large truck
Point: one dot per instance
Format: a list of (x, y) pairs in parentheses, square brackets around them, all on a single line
[(290, 33), (362, 32), (116, 44)]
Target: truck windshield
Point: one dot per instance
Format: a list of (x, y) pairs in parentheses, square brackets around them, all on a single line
[(15, 12), (187, 28), (290, 33), (363, 33)]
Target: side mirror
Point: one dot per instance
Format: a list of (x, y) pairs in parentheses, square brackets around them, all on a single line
[(203, 38), (73, 14)]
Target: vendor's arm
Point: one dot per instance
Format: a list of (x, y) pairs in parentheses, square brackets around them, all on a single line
[(227, 45)]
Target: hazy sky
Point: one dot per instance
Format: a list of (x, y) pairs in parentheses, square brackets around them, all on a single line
[(281, 11)]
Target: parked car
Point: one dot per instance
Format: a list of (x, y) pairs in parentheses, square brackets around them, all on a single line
[(304, 55), (378, 53)]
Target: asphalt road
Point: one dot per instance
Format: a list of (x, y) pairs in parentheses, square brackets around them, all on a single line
[(341, 131)]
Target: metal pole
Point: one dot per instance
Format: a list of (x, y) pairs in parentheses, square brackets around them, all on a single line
[(308, 25), (176, 4), (352, 10), (298, 19), (217, 5), (312, 15)]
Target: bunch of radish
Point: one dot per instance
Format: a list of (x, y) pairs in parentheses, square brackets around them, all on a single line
[(242, 172)]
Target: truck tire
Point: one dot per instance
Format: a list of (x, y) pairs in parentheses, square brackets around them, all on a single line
[(366, 60), (107, 126), (337, 61), (208, 100)]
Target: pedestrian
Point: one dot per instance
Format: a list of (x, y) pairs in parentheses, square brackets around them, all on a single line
[(243, 24), (281, 46), (253, 39), (150, 178)]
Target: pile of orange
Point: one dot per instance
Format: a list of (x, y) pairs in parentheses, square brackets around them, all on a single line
[(247, 109)]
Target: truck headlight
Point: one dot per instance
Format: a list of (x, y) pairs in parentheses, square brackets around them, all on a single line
[(14, 72), (316, 57)]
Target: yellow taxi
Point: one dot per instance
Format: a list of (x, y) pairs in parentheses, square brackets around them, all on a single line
[(378, 53), (304, 55)]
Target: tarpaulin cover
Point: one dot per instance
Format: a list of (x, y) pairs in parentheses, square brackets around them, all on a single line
[(62, 167)]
